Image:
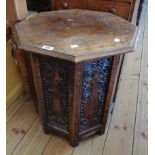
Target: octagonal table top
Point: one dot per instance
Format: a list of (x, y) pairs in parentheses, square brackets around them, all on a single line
[(76, 35)]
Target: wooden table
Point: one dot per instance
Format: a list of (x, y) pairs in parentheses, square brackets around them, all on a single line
[(74, 58)]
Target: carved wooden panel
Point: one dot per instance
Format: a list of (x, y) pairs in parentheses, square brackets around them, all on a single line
[(95, 81), (55, 75)]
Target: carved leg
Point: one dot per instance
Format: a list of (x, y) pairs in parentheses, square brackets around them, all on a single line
[(46, 129), (110, 91), (118, 77), (38, 87), (24, 70), (73, 143), (74, 104)]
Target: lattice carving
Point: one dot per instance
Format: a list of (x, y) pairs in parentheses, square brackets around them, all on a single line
[(54, 77), (96, 75)]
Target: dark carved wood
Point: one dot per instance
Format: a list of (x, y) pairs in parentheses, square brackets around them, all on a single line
[(118, 77), (56, 95), (71, 96), (38, 88), (95, 79), (111, 90), (74, 87), (74, 103)]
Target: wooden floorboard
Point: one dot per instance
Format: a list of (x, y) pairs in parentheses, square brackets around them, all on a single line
[(58, 146), (121, 134), (34, 141), (18, 126), (19, 102), (126, 131), (140, 144), (93, 144)]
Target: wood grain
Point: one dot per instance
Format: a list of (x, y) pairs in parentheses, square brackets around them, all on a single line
[(74, 104), (110, 91), (68, 32), (34, 141), (140, 145), (120, 135), (54, 149), (22, 121), (94, 144), (19, 102)]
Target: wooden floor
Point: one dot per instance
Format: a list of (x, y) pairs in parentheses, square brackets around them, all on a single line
[(126, 132)]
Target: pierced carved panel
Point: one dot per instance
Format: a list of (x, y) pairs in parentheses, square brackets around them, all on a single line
[(95, 80), (55, 75)]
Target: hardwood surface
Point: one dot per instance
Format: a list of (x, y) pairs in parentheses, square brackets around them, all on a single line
[(76, 35), (126, 132)]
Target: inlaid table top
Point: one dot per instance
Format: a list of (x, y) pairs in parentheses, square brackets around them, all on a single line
[(76, 34)]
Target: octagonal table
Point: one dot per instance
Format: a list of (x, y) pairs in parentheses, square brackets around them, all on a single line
[(74, 60)]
